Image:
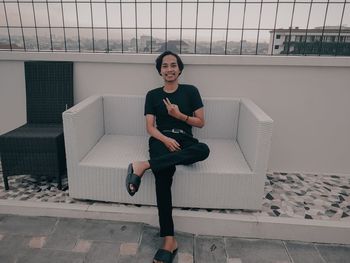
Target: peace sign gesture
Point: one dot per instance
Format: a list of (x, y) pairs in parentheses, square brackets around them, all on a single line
[(173, 109)]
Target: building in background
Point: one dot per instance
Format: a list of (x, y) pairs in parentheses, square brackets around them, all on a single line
[(174, 45), (295, 41)]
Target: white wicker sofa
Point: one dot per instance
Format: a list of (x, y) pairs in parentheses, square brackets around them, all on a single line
[(104, 133)]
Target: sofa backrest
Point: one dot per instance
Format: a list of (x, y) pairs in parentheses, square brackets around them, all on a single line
[(221, 119), (124, 114)]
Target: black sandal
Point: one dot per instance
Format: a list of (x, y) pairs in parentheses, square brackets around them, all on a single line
[(133, 179), (165, 256)]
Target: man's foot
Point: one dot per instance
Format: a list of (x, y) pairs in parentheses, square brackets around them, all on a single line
[(139, 169), (170, 244)]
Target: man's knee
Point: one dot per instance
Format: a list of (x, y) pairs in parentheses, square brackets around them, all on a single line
[(204, 150)]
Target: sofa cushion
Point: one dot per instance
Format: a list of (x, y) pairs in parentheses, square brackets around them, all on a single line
[(117, 151)]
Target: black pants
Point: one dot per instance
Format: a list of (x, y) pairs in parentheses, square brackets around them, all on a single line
[(162, 163)]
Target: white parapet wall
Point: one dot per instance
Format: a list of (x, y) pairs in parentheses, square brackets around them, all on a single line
[(307, 97)]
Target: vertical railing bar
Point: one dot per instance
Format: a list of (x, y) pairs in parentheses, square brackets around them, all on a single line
[(181, 26), (78, 24), (137, 46), (290, 28), (8, 27), (92, 28), (151, 6), (274, 29), (20, 20), (196, 29), (245, 6), (228, 23), (324, 25), (307, 27), (340, 25), (121, 25), (48, 17), (64, 27), (257, 38), (166, 24), (107, 27), (211, 29), (36, 29)]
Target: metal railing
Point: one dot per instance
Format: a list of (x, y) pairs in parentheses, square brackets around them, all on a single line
[(185, 26)]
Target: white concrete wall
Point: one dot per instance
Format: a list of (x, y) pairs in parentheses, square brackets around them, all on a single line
[(307, 97), (12, 95)]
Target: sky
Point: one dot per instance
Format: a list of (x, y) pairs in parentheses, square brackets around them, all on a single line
[(170, 17)]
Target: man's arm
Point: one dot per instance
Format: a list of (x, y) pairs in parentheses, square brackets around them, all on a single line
[(196, 120), (170, 143)]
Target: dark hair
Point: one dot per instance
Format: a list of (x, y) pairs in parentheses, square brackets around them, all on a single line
[(159, 60)]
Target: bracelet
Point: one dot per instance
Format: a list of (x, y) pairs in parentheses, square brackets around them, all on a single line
[(187, 118)]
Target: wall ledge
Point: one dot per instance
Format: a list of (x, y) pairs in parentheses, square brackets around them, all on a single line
[(189, 59)]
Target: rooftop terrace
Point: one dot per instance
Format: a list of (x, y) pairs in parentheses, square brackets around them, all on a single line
[(307, 186)]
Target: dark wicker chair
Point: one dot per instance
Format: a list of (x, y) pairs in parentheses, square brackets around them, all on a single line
[(37, 148)]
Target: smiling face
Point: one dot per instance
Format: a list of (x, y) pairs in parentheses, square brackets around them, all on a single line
[(169, 69)]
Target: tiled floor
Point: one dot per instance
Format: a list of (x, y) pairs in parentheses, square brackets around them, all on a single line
[(309, 196), (26, 239)]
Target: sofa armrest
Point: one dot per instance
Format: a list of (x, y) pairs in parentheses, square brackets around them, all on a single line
[(254, 135), (83, 126)]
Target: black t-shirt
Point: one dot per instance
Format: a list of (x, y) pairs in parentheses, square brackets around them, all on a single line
[(186, 97)]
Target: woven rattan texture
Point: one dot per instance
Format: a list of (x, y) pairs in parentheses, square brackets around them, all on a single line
[(49, 90)]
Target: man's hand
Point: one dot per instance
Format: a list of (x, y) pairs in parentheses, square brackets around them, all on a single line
[(173, 109), (172, 144)]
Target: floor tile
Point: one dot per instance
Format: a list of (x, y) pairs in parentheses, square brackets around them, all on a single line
[(210, 249), (299, 252), (28, 225), (14, 242), (128, 249), (66, 234), (256, 250), (111, 231), (10, 255), (82, 246), (52, 256), (334, 253), (37, 242), (185, 258), (103, 252)]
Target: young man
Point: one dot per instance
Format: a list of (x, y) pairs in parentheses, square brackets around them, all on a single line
[(170, 112)]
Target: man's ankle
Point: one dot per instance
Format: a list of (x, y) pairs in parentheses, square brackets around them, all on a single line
[(170, 242)]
